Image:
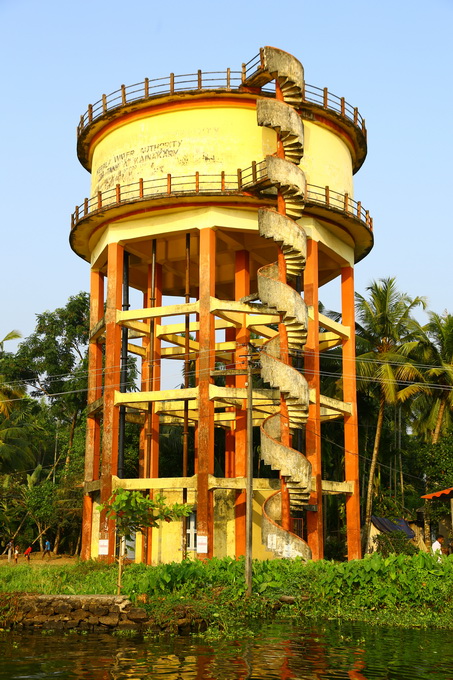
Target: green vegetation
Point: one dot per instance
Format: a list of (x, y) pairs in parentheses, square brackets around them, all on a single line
[(395, 590), (133, 512), (43, 394), (385, 324), (394, 543)]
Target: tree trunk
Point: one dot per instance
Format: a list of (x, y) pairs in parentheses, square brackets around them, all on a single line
[(77, 548), (71, 437), (40, 532), (401, 481), (440, 417), (56, 544), (120, 565), (427, 525), (369, 496), (40, 535)]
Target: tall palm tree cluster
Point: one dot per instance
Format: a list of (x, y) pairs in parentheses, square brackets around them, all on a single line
[(405, 368)]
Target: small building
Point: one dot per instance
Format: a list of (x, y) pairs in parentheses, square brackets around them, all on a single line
[(446, 526)]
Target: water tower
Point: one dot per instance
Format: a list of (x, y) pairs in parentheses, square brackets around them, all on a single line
[(221, 202)]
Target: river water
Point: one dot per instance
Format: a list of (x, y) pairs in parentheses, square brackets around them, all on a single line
[(281, 650)]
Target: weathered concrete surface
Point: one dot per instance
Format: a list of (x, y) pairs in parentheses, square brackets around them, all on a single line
[(286, 176), (291, 464), (287, 302), (282, 117), (285, 68), (282, 543), (288, 234)]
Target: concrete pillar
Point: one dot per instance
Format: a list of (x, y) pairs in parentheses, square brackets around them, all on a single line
[(93, 433), (111, 384), (351, 437), (313, 426), (205, 406), (241, 289)]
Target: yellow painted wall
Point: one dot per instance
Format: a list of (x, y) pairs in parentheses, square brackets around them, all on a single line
[(259, 551), (224, 523), (327, 159), (343, 248), (95, 527), (180, 141), (167, 537), (152, 224)]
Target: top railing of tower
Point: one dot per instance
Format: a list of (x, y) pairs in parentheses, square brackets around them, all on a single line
[(227, 81)]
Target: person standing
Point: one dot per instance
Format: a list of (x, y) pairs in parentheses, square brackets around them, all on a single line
[(10, 548), (47, 548), (16, 554), (436, 547), (27, 553)]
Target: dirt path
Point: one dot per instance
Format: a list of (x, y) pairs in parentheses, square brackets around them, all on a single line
[(37, 562)]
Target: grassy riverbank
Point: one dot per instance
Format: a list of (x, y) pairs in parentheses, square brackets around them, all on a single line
[(397, 590)]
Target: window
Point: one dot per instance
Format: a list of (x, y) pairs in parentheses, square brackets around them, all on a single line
[(191, 531)]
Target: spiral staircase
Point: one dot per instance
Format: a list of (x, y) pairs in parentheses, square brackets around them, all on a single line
[(283, 176)]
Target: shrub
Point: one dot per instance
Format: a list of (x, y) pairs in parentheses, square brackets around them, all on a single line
[(396, 543)]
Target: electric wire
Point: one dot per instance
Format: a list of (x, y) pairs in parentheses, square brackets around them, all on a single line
[(182, 356), (202, 373)]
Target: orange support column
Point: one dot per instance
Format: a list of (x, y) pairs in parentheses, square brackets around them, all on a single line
[(152, 426), (351, 437), (144, 383), (241, 289), (205, 406), (230, 381), (156, 372), (93, 435), (313, 427), (111, 383)]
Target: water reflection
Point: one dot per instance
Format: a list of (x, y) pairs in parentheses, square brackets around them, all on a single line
[(281, 651)]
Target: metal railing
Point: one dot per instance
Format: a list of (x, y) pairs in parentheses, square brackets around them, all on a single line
[(322, 97), (241, 182), (209, 80), (128, 94), (252, 66), (338, 201)]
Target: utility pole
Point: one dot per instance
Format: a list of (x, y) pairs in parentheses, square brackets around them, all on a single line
[(249, 487), (55, 451), (249, 479)]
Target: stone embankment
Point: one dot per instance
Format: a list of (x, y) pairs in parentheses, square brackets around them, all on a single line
[(87, 613)]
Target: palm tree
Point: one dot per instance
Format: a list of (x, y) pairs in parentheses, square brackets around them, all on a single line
[(438, 351), (12, 335), (384, 324), (8, 393), (16, 437)]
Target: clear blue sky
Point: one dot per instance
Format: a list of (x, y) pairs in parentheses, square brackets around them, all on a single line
[(391, 59)]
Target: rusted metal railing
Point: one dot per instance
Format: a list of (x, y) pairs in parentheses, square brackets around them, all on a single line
[(250, 67), (244, 181), (147, 89), (338, 201), (210, 80), (331, 102)]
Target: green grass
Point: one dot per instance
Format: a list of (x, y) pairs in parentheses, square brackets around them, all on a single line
[(82, 578)]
